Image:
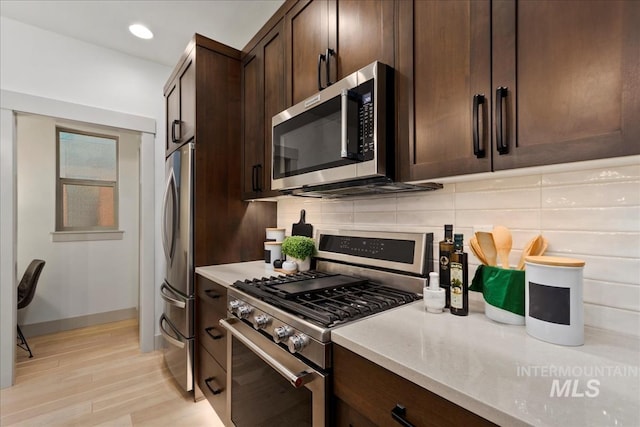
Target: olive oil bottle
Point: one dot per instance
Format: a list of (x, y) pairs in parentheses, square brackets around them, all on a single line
[(459, 279), (446, 248)]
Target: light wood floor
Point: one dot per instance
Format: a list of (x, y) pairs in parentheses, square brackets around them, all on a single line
[(97, 376)]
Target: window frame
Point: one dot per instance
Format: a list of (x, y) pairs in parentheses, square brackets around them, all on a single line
[(60, 182)]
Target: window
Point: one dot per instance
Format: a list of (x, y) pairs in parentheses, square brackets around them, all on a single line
[(87, 181)]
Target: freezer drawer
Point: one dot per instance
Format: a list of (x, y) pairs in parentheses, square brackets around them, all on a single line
[(178, 353), (178, 309)]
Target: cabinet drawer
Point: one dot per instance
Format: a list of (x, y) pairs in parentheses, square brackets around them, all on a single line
[(370, 389), (210, 308), (212, 380), (213, 294), (210, 334)]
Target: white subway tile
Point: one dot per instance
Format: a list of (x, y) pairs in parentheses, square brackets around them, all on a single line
[(507, 199), (383, 204), (620, 173), (609, 294), (425, 218), (337, 218), (498, 184), (430, 201), (595, 195), (375, 217), (337, 206), (592, 219), (520, 219), (622, 321), (595, 243)]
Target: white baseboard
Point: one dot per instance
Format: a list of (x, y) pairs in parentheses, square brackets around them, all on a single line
[(60, 325)]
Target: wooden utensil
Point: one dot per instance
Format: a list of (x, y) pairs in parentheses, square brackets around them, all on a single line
[(477, 250), (541, 247), (528, 250), (301, 228), (487, 246), (503, 241)]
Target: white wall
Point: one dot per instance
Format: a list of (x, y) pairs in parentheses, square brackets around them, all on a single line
[(79, 278), (592, 214), (44, 64)]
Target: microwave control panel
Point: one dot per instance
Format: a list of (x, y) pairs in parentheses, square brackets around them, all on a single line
[(366, 118)]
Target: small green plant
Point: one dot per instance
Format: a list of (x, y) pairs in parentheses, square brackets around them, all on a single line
[(299, 247)]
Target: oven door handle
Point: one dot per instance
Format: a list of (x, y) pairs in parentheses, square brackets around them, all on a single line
[(296, 379)]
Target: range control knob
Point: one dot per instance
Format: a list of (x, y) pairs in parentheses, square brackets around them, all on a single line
[(281, 333), (297, 342), (233, 305), (260, 321), (244, 311)]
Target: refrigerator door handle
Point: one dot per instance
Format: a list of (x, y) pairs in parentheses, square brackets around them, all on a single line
[(173, 339), (166, 293), (170, 191)]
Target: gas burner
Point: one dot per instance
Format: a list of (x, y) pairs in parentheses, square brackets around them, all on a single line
[(326, 299)]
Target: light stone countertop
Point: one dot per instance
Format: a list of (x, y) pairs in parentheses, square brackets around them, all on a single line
[(500, 372), (494, 370), (227, 274)]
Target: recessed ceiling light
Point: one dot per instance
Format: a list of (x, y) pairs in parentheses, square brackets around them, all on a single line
[(141, 31)]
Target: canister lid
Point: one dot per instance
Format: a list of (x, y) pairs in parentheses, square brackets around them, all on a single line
[(555, 261), (274, 229), (273, 243)]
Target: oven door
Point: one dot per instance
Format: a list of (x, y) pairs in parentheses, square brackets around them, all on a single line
[(268, 386)]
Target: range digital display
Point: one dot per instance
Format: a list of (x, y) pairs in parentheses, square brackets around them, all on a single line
[(375, 248)]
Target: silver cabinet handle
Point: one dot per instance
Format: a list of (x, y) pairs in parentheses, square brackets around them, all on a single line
[(170, 191), (296, 379), (175, 341), (167, 295)]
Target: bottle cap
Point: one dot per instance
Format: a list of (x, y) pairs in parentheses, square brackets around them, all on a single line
[(457, 240)]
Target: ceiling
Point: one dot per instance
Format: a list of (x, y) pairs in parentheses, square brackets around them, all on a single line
[(106, 22)]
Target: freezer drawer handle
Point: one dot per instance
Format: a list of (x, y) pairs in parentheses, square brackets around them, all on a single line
[(399, 413), (216, 389), (175, 341), (216, 336), (164, 290), (296, 379)]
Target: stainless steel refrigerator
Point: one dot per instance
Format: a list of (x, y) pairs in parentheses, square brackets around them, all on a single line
[(177, 291)]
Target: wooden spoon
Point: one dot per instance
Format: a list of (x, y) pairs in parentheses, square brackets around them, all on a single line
[(487, 246), (541, 247), (528, 250), (503, 241), (477, 250)]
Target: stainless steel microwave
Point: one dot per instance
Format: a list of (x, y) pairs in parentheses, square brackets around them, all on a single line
[(339, 135)]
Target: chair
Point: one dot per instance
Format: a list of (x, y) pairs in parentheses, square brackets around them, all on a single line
[(26, 291)]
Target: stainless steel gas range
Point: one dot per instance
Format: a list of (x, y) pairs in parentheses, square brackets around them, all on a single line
[(279, 350)]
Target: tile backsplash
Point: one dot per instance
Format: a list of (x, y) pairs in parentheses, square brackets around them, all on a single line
[(591, 214)]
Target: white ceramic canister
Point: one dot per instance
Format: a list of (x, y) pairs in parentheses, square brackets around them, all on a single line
[(275, 234), (554, 310), (272, 252)]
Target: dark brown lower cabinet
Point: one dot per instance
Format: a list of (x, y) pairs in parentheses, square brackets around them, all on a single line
[(367, 394), (211, 344)]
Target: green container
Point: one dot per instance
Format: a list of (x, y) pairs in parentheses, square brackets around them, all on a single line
[(500, 287)]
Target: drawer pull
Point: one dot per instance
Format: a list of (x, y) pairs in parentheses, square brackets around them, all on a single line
[(399, 413), (216, 336), (212, 294), (501, 120), (216, 389)]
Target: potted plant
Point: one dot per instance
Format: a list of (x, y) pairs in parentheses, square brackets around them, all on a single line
[(299, 249)]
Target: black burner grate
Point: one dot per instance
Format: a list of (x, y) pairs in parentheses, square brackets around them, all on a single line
[(327, 299)]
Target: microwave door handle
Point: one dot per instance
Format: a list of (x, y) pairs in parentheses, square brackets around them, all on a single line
[(344, 138)]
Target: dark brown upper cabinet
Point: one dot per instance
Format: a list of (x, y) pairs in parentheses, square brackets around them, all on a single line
[(180, 105), (498, 85), (263, 96), (329, 39)]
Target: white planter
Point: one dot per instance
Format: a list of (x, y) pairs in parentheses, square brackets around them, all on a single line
[(303, 265)]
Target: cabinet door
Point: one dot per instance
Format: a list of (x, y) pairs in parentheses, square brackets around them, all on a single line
[(172, 119), (307, 38), (571, 72), (263, 97), (188, 100), (443, 61), (252, 123), (364, 34)]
